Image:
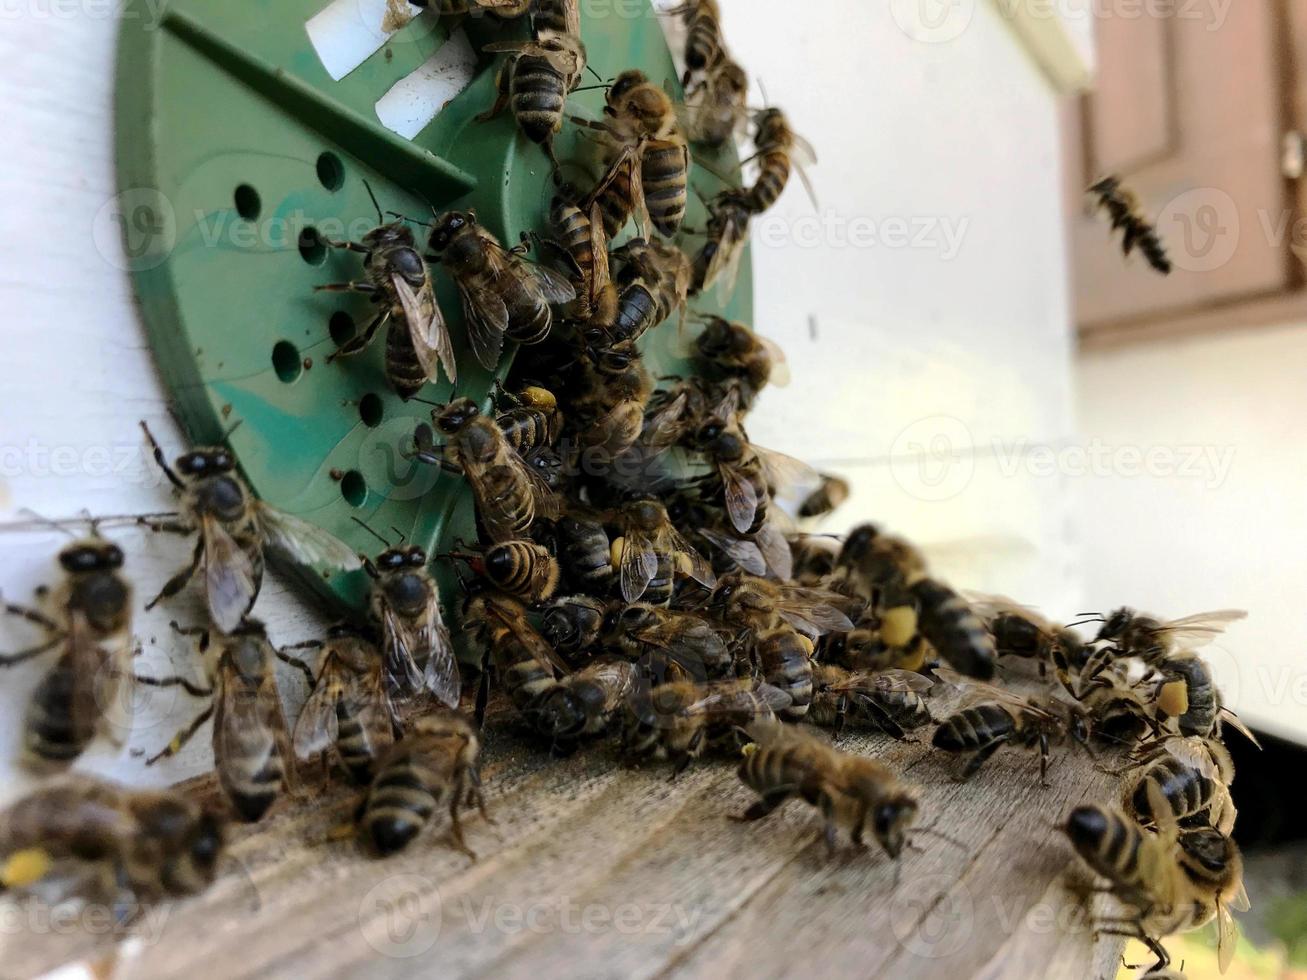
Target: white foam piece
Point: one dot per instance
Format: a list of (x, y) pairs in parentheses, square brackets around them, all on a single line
[(416, 99), (346, 33)]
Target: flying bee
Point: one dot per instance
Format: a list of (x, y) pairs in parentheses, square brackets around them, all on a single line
[(574, 624), (950, 625), (349, 710), (523, 569), (877, 567), (396, 279), (1123, 208), (778, 149), (647, 155), (736, 352), (670, 643), (813, 558), (584, 552), (405, 604), (853, 793), (537, 78), (148, 844), (718, 113), (651, 554), (434, 765), (508, 493), (718, 260), (533, 420), (1019, 631), (832, 492), (704, 45), (502, 293), (992, 718), (890, 701), (1172, 881), (681, 720), (235, 530), (1191, 776), (584, 703), (251, 743), (92, 627), (525, 662), (746, 602)]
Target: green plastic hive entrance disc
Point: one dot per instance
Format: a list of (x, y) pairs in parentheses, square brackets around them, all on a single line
[(238, 152)]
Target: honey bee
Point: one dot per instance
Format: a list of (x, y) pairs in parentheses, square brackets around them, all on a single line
[(832, 492), (813, 558), (532, 422), (146, 844), (718, 261), (745, 602), (1021, 632), (667, 642), (890, 701), (405, 603), (584, 703), (348, 709), (739, 477), (1187, 695), (655, 281), (718, 112), (1117, 711), (681, 720), (1123, 208), (648, 158), (574, 624), (502, 293), (612, 392), (704, 45), (993, 718), (872, 565), (508, 493), (93, 631), (523, 569), (885, 641), (1172, 881), (251, 743), (540, 74), (235, 529), (525, 662), (651, 554), (853, 793), (727, 551), (1133, 634), (585, 553), (1191, 776), (778, 150), (434, 765), (396, 280), (784, 660), (581, 238), (737, 353), (950, 625)]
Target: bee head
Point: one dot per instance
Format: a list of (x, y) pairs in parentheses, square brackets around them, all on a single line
[(1116, 623), (721, 440), (615, 359), (721, 337), (624, 84), (392, 559), (447, 227), (455, 416), (646, 514), (92, 555), (415, 557), (735, 78), (858, 543), (205, 462), (397, 233), (771, 123), (890, 820)]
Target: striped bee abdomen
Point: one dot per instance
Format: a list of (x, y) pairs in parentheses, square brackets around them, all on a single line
[(665, 175)]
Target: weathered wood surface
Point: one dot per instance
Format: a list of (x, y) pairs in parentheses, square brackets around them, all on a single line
[(594, 869)]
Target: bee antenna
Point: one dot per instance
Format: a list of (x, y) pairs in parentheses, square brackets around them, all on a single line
[(401, 534), (762, 87), (51, 523), (590, 68), (381, 218), (930, 831), (234, 426), (365, 527)]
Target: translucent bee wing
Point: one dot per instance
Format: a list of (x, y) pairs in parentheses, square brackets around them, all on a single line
[(742, 551), (440, 676), (895, 679), (229, 580), (402, 674), (1201, 627), (1228, 717), (317, 726), (988, 606), (639, 566), (741, 498), (780, 364), (306, 543), (770, 541), (1227, 937), (427, 329), (1240, 901), (485, 318), (551, 285)]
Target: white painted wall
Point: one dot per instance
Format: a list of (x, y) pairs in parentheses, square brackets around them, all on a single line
[(933, 356), (1228, 529)]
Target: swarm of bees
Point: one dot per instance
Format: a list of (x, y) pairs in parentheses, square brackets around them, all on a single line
[(637, 575)]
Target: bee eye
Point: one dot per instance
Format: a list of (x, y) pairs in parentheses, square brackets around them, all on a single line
[(417, 557)]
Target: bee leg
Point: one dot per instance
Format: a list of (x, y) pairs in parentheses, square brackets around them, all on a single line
[(190, 687), (503, 79), (178, 581), (1043, 758), (179, 528), (456, 829), (39, 619), (348, 246), (159, 458), (181, 738), (828, 834), (297, 663), (476, 796), (358, 344), (980, 758), (763, 807), (354, 286)]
